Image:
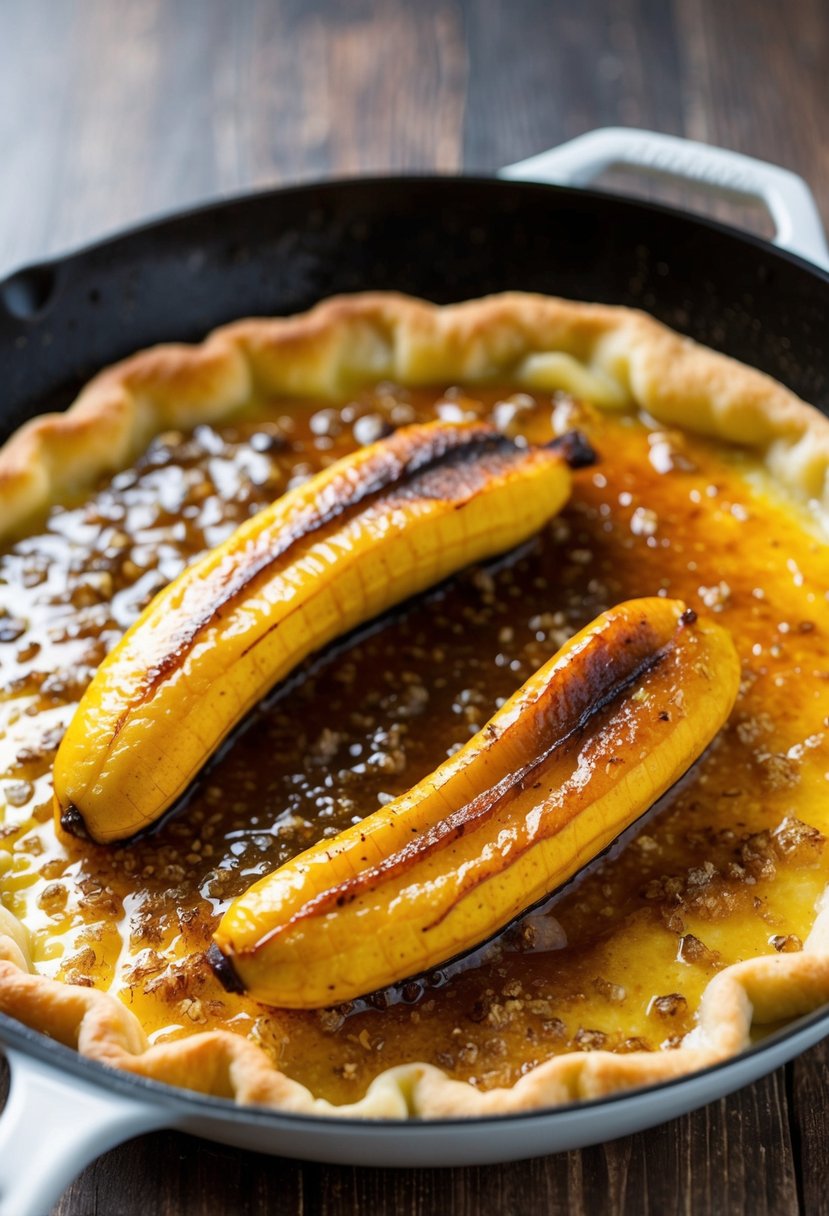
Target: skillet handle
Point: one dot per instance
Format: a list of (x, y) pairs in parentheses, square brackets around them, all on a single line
[(792, 205), (52, 1126)]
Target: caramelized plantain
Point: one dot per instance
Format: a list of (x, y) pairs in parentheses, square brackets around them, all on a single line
[(583, 749), (373, 529)]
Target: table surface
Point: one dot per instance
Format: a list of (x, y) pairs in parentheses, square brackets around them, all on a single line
[(110, 113)]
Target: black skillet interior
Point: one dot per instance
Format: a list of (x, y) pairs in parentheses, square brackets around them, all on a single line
[(441, 238)]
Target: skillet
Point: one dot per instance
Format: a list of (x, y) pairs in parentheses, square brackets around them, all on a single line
[(445, 239)]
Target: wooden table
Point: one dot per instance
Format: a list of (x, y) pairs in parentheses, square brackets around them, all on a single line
[(112, 112)]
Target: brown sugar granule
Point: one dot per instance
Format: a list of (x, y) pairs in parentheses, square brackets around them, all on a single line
[(79, 968), (468, 1054), (757, 856), (644, 522), (672, 920), (99, 898), (753, 727), (193, 1009), (779, 771), (586, 1039), (792, 838), (148, 963), (18, 793), (692, 950), (553, 1028), (717, 597), (330, 1020), (500, 1015), (180, 979), (668, 452), (787, 943), (78, 979), (614, 993), (53, 898), (496, 1047), (669, 1006)]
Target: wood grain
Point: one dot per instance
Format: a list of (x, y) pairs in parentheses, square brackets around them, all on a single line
[(705, 1164), (808, 1109), (110, 113)]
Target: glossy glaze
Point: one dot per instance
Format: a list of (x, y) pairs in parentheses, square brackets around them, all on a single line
[(724, 868)]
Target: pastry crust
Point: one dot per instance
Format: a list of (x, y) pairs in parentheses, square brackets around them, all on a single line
[(757, 991), (609, 355), (615, 357)]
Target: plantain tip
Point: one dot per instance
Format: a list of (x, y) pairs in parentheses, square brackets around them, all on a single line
[(688, 617), (71, 820), (223, 969), (576, 449)]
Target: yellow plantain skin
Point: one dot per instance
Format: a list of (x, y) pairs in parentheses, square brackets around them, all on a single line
[(587, 745), (373, 529)]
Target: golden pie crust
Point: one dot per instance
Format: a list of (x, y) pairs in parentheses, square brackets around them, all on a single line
[(612, 357)]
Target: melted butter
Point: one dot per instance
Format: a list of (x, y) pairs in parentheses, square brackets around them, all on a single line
[(729, 865)]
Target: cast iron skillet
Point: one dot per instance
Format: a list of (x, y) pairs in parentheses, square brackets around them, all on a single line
[(444, 239)]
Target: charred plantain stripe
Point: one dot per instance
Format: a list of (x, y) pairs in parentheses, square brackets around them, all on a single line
[(600, 702), (394, 472), (576, 449), (388, 522), (445, 480), (224, 970), (600, 685)]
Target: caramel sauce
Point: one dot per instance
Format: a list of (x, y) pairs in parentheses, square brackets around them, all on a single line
[(728, 865)]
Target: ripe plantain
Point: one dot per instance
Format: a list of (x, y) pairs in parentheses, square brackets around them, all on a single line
[(579, 752), (368, 532)]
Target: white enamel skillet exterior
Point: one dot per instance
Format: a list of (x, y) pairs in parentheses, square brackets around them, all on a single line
[(64, 1111)]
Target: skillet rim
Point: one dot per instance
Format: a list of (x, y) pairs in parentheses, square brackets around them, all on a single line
[(207, 209), (16, 1036), (39, 1046)]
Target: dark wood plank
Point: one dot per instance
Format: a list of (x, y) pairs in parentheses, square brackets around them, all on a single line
[(754, 78), (808, 1086), (129, 111), (707, 1163), (541, 73), (168, 1173), (110, 113)]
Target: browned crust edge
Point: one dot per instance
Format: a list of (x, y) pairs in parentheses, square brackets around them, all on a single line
[(612, 356), (763, 990)]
